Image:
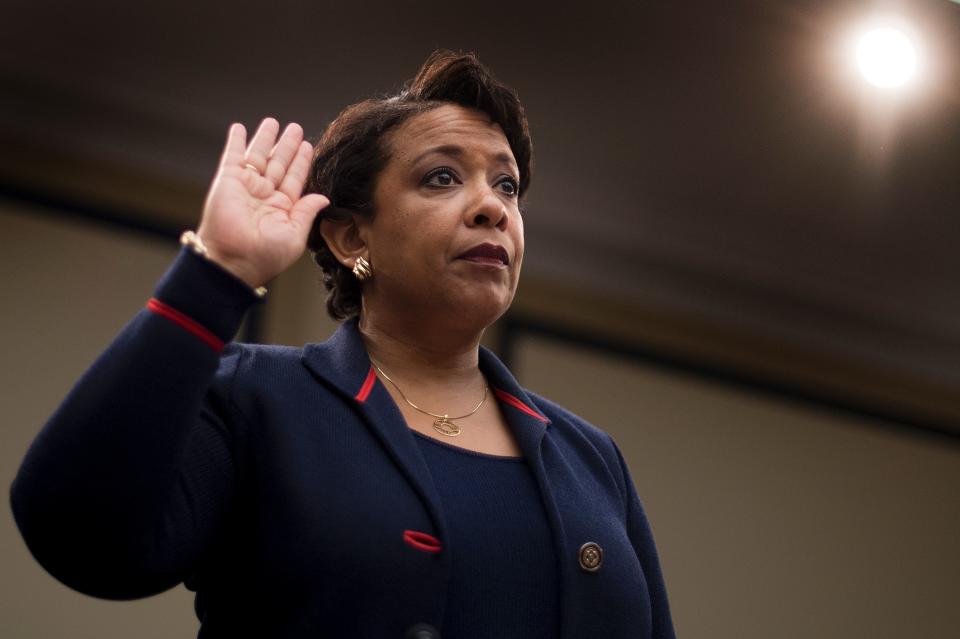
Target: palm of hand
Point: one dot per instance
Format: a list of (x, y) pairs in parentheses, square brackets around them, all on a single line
[(255, 222)]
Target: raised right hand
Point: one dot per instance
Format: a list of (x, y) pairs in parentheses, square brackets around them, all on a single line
[(255, 222)]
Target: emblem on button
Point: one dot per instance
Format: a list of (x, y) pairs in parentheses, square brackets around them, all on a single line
[(591, 556)]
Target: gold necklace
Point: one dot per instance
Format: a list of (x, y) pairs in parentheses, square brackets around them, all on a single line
[(443, 424)]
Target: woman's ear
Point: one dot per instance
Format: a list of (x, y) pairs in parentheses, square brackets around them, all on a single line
[(344, 238)]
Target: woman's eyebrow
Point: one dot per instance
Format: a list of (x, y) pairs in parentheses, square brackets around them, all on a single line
[(444, 149), (457, 151)]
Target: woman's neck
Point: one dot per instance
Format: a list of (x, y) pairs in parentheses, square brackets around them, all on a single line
[(417, 354)]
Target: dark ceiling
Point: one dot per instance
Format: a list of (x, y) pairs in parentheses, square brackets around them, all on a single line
[(721, 160)]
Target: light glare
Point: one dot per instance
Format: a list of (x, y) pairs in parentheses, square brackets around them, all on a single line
[(886, 57)]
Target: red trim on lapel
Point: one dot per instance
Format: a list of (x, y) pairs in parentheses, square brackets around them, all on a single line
[(367, 386), (188, 324), (507, 398), (422, 541)]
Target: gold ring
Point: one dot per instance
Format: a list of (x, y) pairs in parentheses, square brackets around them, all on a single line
[(250, 166)]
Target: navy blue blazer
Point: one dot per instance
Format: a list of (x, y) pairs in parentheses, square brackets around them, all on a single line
[(284, 487)]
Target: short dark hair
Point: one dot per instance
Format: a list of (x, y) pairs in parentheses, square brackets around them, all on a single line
[(354, 149)]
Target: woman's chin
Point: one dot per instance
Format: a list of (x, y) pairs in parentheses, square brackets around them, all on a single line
[(480, 307), (456, 305)]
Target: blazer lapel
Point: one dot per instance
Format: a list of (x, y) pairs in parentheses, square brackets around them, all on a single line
[(342, 363), (526, 421)]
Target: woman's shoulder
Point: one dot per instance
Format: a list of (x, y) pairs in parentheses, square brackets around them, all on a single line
[(570, 427), (255, 380), (251, 366), (247, 358), (564, 418), (262, 354)]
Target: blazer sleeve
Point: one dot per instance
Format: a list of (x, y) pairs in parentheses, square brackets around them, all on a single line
[(127, 483), (638, 528)]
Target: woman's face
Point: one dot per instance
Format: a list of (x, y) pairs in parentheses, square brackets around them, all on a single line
[(446, 235)]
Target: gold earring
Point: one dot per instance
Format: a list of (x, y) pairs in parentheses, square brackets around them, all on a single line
[(362, 269)]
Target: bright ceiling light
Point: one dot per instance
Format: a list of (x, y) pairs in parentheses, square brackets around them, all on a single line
[(886, 57)]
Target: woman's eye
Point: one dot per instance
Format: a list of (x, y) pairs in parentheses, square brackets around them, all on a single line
[(440, 177), (510, 186)]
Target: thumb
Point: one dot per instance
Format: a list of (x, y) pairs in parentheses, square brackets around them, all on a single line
[(306, 208)]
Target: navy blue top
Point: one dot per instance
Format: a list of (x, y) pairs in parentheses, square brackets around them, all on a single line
[(503, 563), (284, 486)]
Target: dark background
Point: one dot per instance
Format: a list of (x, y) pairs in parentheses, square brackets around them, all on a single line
[(722, 165)]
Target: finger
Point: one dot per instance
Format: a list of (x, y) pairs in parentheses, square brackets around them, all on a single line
[(262, 142), (306, 208), (235, 147), (283, 153), (296, 177)]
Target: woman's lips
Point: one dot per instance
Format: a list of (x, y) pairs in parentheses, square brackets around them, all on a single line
[(486, 261), (487, 254)]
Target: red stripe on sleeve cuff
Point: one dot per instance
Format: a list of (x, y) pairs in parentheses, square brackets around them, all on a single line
[(186, 323)]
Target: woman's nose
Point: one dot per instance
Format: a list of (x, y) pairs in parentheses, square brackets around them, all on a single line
[(488, 210)]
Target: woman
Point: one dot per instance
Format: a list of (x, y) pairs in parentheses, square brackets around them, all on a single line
[(393, 481)]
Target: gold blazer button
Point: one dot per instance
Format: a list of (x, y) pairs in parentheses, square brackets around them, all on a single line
[(591, 556)]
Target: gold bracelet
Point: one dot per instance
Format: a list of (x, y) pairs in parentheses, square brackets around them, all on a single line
[(191, 240)]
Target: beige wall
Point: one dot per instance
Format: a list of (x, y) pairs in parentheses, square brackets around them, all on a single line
[(68, 289), (774, 519)]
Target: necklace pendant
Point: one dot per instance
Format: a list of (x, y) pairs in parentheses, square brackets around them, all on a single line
[(446, 427)]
